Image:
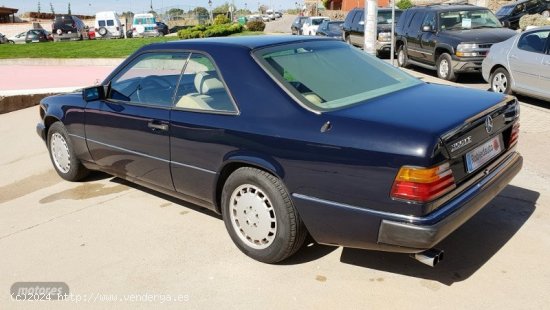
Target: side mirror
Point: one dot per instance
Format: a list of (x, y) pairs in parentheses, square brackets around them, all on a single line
[(427, 28), (506, 24), (93, 93)]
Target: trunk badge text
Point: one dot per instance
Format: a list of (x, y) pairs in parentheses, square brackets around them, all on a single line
[(459, 144)]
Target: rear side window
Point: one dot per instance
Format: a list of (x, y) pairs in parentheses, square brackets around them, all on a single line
[(534, 42), (201, 87), (101, 23), (416, 21), (110, 22)]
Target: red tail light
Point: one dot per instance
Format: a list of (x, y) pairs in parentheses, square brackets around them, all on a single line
[(423, 184), (514, 135)]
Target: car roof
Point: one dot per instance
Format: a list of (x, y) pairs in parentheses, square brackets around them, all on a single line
[(451, 7), (248, 42)]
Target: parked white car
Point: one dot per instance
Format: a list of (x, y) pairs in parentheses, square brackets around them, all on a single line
[(520, 64), (145, 25), (108, 25), (312, 24)]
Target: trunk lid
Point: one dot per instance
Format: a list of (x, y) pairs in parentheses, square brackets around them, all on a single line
[(455, 116)]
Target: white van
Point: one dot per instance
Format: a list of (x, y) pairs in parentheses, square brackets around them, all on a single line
[(107, 25), (145, 25)]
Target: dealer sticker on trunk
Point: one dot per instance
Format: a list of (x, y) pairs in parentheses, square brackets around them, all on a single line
[(483, 153)]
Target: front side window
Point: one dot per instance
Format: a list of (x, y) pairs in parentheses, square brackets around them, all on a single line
[(330, 75), (469, 19), (429, 20), (149, 79), (201, 87), (534, 41), (110, 22)]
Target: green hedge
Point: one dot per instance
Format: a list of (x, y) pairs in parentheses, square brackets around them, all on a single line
[(202, 31), (255, 25)]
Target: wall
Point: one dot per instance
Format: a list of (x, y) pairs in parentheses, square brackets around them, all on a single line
[(348, 5)]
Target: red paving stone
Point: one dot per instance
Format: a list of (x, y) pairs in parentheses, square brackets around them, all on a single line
[(16, 77)]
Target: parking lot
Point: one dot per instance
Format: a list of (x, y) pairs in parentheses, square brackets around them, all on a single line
[(115, 242)]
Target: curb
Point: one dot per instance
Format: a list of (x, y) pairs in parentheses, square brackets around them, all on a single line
[(14, 103)]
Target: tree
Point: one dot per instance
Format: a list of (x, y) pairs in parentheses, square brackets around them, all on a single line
[(224, 8), (201, 11), (69, 9), (326, 4), (262, 9), (38, 8), (175, 12), (241, 12), (404, 4), (52, 9)]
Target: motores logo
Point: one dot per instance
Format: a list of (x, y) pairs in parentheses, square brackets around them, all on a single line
[(39, 291)]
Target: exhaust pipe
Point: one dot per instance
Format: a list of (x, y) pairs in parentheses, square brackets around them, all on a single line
[(429, 257)]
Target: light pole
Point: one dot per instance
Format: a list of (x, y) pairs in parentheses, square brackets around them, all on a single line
[(210, 6)]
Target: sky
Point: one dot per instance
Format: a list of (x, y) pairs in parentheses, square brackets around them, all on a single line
[(90, 7)]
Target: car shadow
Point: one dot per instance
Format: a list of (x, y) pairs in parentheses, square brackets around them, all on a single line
[(534, 101), (467, 249), (179, 202)]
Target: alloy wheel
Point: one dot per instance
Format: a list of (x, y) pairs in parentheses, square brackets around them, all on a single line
[(60, 153), (499, 83), (252, 216)]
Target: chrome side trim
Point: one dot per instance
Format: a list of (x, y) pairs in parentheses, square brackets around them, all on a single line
[(453, 204), (146, 155), (193, 167)]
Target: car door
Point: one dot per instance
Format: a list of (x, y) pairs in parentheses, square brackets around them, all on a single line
[(357, 33), (413, 34), (129, 132), (198, 145), (526, 60), (544, 77), (428, 38)]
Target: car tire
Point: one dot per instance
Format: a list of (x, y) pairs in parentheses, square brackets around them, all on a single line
[(102, 31), (348, 40), (260, 216), (501, 82), (11, 42), (62, 154), (546, 13), (444, 67), (402, 58)]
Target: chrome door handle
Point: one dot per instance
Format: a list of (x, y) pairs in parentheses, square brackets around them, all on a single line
[(156, 126), (513, 57)]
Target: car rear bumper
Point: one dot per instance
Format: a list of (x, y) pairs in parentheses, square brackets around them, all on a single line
[(350, 226)]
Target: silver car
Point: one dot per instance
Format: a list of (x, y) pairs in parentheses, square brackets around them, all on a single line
[(520, 64)]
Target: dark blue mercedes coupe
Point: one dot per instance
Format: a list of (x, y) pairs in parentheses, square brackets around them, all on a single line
[(285, 136)]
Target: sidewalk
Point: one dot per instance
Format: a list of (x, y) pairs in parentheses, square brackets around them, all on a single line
[(41, 76)]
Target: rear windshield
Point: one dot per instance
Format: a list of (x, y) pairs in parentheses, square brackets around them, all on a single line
[(330, 75), (316, 21), (65, 19), (144, 20), (335, 27), (505, 10), (385, 17)]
